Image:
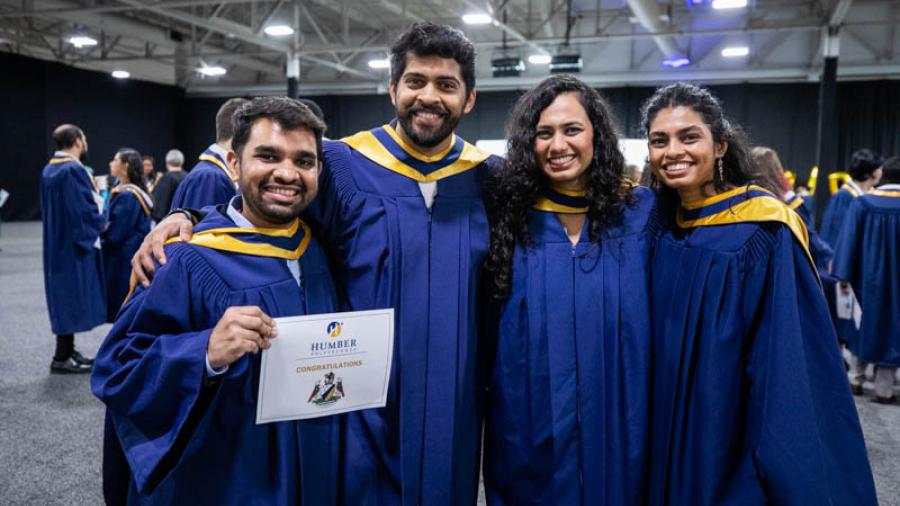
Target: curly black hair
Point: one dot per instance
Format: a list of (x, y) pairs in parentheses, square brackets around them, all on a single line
[(431, 39), (738, 166), (515, 187)]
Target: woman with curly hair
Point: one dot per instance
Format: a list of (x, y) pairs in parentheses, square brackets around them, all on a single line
[(751, 404), (129, 221), (567, 421)]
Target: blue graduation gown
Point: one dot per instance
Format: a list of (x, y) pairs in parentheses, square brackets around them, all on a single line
[(835, 211), (129, 221), (568, 409), (73, 267), (751, 403), (869, 258), (191, 440), (388, 250), (209, 183), (821, 252)]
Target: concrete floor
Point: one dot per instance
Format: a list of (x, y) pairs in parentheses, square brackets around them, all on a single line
[(51, 425)]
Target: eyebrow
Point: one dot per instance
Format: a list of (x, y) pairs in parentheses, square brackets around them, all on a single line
[(679, 131), (267, 149), (438, 78)]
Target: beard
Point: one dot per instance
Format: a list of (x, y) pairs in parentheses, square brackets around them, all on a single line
[(83, 157), (427, 137), (274, 213)]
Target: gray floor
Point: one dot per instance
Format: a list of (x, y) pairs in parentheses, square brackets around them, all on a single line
[(50, 426)]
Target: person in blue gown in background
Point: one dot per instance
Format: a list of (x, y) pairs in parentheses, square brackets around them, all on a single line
[(128, 221), (179, 371), (571, 239), (868, 257), (401, 217), (212, 179), (750, 401), (72, 215)]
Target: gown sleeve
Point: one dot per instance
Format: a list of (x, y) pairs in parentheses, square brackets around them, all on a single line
[(150, 370), (330, 213), (87, 221), (847, 252), (807, 443)]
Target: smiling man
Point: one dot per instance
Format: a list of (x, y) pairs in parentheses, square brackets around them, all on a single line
[(400, 214), (179, 369)]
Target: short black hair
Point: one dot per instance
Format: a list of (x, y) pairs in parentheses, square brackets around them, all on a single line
[(224, 128), (891, 171), (431, 39), (64, 136), (289, 113), (864, 163)]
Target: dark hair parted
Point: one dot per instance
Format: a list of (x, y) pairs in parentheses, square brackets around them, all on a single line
[(737, 168), (224, 127), (288, 113), (891, 171), (430, 39), (64, 136), (518, 184), (134, 167), (864, 163)]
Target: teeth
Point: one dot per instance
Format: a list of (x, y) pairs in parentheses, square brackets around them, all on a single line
[(283, 191), (561, 159), (428, 115), (678, 166)]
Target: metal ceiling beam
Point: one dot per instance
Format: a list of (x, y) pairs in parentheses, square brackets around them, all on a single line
[(647, 13), (112, 8), (839, 12)]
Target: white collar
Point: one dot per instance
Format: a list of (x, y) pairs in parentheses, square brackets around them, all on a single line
[(235, 214), (219, 150), (889, 187)]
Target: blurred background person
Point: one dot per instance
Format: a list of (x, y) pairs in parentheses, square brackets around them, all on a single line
[(129, 221), (165, 188)]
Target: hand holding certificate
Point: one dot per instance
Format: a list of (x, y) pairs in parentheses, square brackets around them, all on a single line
[(326, 364)]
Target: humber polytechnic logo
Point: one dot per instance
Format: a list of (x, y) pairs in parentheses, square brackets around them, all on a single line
[(334, 329)]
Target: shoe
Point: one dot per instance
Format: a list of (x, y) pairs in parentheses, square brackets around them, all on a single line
[(81, 359), (69, 366), (885, 400)]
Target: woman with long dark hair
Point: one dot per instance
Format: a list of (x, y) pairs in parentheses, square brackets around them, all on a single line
[(129, 221), (567, 419), (750, 401)]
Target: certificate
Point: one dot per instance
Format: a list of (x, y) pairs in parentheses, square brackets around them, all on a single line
[(325, 364)]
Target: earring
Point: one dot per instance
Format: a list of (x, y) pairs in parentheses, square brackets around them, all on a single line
[(721, 171)]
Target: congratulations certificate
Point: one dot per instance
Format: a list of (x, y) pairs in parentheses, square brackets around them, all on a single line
[(326, 364)]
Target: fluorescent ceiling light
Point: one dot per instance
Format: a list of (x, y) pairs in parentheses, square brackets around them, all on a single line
[(279, 30), (729, 4), (377, 63), (477, 19), (734, 52), (121, 74), (82, 41), (539, 59), (212, 71), (676, 61)]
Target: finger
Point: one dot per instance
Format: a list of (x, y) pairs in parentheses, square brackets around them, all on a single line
[(249, 335), (156, 245), (186, 231), (138, 270)]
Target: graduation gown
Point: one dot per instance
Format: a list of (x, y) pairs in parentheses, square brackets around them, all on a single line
[(73, 267), (191, 439), (129, 221), (821, 252), (869, 258), (568, 411), (751, 403), (835, 211), (388, 250), (209, 183)]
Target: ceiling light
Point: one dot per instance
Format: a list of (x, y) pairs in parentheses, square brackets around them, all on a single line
[(121, 74), (82, 41), (539, 59), (734, 52), (477, 19), (676, 61), (379, 63), (213, 71), (279, 30), (507, 66), (729, 4), (565, 63)]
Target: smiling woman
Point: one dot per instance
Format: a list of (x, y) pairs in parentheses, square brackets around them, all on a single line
[(750, 401)]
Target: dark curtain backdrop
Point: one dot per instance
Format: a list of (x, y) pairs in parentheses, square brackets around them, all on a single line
[(36, 96)]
